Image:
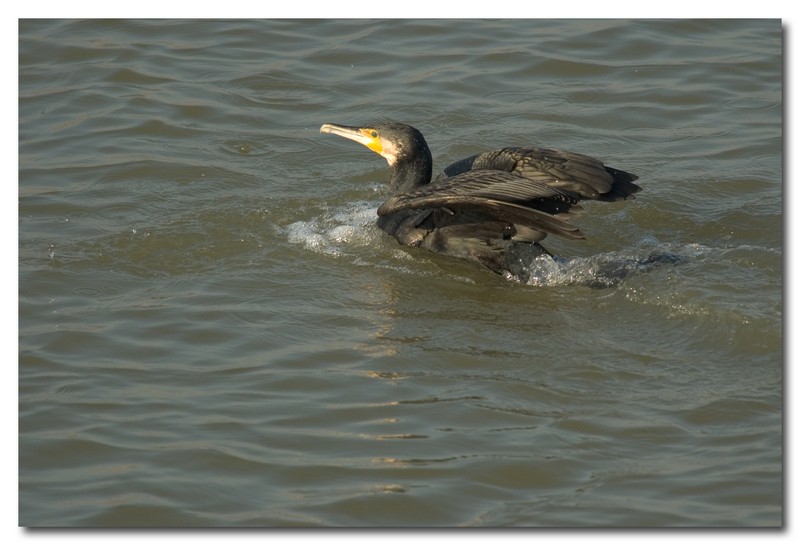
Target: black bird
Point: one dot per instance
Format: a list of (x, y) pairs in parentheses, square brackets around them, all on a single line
[(489, 206)]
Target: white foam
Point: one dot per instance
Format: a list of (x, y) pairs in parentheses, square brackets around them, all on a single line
[(337, 231)]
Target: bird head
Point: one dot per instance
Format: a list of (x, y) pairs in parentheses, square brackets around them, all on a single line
[(395, 142)]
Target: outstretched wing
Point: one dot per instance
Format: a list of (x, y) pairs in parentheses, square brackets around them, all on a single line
[(497, 195), (580, 174)]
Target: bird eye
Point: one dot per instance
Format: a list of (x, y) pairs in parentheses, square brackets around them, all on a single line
[(374, 134)]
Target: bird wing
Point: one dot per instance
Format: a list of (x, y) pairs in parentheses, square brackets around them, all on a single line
[(574, 172), (495, 194)]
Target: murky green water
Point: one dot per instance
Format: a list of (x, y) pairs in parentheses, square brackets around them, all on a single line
[(213, 332)]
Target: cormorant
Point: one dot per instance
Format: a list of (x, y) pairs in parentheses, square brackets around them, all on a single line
[(488, 206)]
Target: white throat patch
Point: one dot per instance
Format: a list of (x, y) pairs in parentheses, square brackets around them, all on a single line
[(390, 152)]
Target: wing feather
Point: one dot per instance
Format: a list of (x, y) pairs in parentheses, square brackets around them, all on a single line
[(495, 194), (585, 176)]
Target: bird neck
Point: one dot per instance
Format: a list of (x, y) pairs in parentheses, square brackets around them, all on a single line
[(411, 172)]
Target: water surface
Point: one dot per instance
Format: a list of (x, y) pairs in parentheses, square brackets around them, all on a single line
[(213, 332)]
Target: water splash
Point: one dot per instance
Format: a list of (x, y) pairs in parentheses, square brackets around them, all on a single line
[(336, 231), (598, 271)]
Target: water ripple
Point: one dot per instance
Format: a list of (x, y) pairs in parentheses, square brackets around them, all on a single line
[(214, 332)]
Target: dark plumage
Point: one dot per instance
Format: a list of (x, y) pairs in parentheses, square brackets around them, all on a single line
[(487, 206)]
